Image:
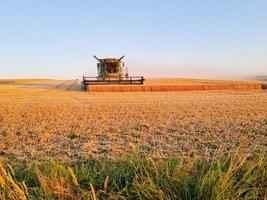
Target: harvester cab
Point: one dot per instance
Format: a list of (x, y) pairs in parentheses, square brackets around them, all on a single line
[(110, 67), (111, 71)]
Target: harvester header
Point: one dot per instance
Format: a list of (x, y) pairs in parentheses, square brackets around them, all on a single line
[(111, 71)]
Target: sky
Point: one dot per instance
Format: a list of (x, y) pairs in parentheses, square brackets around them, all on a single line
[(173, 38)]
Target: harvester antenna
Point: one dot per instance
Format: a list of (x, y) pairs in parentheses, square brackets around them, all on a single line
[(96, 58), (121, 58)]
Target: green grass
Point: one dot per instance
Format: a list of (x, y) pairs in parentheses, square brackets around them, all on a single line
[(138, 177)]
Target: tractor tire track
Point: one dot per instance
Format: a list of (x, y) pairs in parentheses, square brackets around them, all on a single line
[(74, 82)]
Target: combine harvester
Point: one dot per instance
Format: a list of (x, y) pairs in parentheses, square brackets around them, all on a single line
[(111, 71), (114, 77)]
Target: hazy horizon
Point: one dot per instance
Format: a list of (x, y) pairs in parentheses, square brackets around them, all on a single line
[(207, 39)]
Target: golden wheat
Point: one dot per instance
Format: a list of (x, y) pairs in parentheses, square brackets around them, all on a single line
[(37, 123), (169, 88), (166, 85)]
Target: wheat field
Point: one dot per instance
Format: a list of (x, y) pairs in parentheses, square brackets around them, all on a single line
[(58, 142), (60, 122), (175, 84)]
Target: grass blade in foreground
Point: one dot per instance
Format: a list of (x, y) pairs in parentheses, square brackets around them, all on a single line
[(139, 177)]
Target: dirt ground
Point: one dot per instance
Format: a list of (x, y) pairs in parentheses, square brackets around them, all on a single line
[(47, 119)]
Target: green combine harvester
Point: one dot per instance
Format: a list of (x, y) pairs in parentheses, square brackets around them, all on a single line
[(111, 71)]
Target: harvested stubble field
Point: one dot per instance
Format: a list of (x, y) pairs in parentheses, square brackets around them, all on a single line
[(58, 122), (72, 125)]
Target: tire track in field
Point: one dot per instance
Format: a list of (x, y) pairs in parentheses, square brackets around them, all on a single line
[(67, 85), (74, 82), (64, 86), (61, 87)]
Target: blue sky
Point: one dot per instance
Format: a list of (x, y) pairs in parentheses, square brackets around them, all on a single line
[(206, 39)]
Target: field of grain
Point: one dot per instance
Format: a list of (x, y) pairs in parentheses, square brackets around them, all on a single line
[(175, 84), (188, 81), (66, 144), (40, 123)]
